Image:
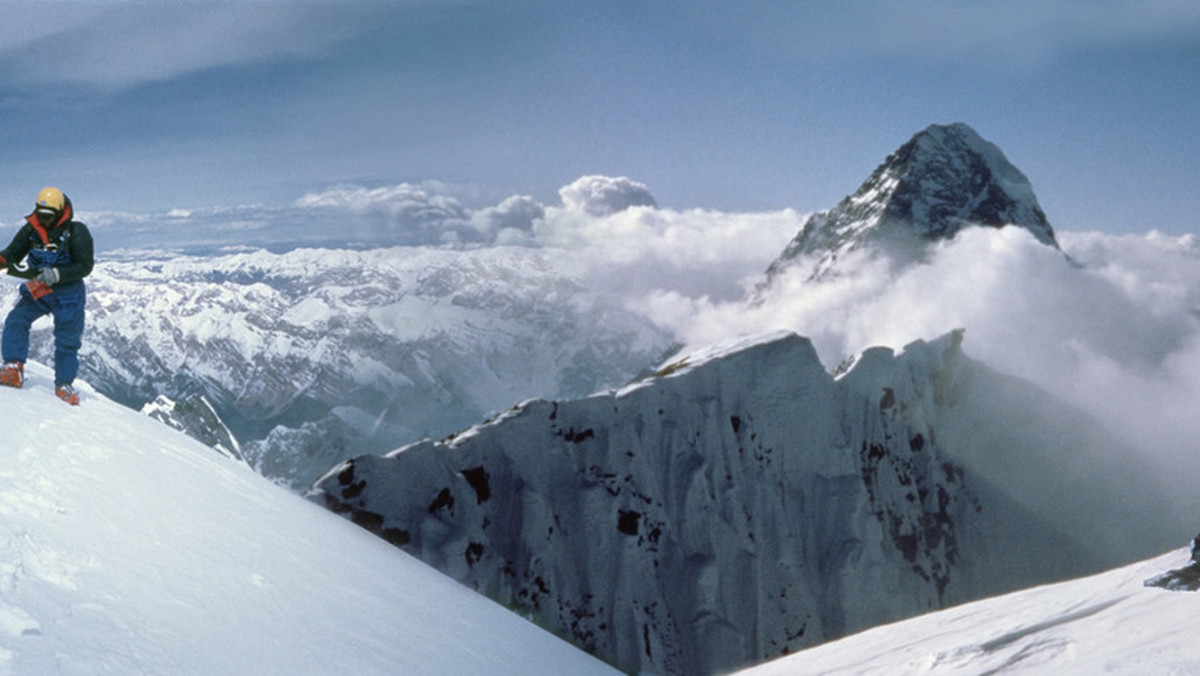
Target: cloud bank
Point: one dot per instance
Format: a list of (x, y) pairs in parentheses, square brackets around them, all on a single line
[(619, 242)]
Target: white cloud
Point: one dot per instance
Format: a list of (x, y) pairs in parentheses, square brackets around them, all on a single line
[(405, 199), (404, 214), (648, 250), (512, 220), (605, 195)]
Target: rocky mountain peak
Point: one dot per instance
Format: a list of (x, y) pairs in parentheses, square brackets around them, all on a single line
[(945, 178)]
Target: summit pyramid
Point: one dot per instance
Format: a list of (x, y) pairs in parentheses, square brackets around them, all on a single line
[(945, 178)]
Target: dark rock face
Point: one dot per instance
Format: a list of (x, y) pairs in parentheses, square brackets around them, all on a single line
[(195, 417), (944, 179)]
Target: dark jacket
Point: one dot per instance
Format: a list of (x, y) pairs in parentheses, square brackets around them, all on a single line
[(74, 261)]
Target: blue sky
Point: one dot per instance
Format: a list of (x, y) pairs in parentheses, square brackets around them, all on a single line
[(738, 107)]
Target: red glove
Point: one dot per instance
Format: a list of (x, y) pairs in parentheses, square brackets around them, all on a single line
[(37, 289), (3, 262)]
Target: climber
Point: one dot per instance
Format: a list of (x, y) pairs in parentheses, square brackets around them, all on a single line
[(59, 251)]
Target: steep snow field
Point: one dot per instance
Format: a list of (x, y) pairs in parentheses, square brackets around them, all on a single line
[(1104, 624), (127, 547)]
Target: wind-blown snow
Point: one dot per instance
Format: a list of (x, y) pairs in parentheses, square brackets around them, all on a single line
[(127, 547), (1104, 624)]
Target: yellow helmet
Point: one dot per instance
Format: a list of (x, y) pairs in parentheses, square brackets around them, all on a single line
[(52, 198)]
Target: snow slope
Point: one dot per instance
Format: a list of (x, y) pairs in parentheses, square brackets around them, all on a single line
[(1104, 624), (127, 547)]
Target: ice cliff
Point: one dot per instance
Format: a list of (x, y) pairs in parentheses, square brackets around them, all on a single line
[(742, 503)]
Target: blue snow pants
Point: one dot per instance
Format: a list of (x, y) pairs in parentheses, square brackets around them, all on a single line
[(66, 304)]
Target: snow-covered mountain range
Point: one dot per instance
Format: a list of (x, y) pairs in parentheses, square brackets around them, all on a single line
[(743, 503), (128, 548), (312, 356)]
